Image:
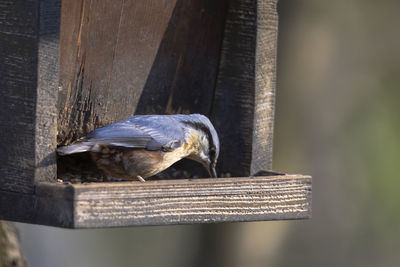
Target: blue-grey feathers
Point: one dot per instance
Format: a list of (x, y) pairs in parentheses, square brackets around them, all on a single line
[(151, 132), (72, 149)]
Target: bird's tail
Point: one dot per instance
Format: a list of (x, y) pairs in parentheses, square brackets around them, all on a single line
[(74, 148)]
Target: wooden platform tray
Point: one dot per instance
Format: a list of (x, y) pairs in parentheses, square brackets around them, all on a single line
[(163, 202)]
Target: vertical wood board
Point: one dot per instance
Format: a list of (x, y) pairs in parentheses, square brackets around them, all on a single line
[(183, 75), (135, 57), (29, 81), (265, 83), (18, 81), (234, 97), (47, 91), (243, 109)]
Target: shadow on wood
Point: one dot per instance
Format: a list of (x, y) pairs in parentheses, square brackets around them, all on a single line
[(163, 65), (142, 57)]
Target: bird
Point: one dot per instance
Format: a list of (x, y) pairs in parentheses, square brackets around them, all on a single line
[(143, 145)]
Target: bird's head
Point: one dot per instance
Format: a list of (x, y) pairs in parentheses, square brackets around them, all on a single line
[(206, 142)]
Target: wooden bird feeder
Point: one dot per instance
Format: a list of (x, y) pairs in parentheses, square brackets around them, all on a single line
[(68, 67)]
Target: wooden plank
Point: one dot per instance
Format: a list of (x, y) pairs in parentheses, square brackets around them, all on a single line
[(47, 91), (136, 56), (234, 96), (141, 32), (28, 79), (37, 209), (245, 90), (162, 202), (18, 65), (265, 83), (183, 75), (89, 32)]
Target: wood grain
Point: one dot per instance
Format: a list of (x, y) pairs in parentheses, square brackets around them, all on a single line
[(38, 208), (243, 110), (135, 57), (167, 202), (265, 83), (18, 77), (233, 110), (183, 75), (47, 91), (28, 80), (89, 32)]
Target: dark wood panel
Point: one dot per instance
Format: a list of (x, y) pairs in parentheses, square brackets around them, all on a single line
[(162, 202), (47, 91), (233, 110), (28, 79), (142, 29), (243, 110), (18, 77), (54, 211), (182, 78), (265, 83), (136, 56), (89, 34)]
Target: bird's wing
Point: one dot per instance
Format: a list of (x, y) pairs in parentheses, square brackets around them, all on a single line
[(149, 132)]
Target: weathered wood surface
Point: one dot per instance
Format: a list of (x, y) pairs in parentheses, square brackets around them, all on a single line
[(47, 91), (136, 57), (265, 83), (28, 81), (243, 110), (168, 202), (18, 65)]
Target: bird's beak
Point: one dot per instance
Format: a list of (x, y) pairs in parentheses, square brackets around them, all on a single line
[(212, 171)]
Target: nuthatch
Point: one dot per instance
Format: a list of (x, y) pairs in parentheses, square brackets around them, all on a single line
[(144, 145)]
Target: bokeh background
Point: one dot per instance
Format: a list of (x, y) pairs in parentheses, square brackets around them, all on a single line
[(337, 118)]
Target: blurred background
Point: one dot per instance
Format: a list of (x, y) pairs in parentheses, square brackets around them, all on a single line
[(337, 118)]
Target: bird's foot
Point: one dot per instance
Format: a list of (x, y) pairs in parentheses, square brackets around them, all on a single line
[(140, 178)]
